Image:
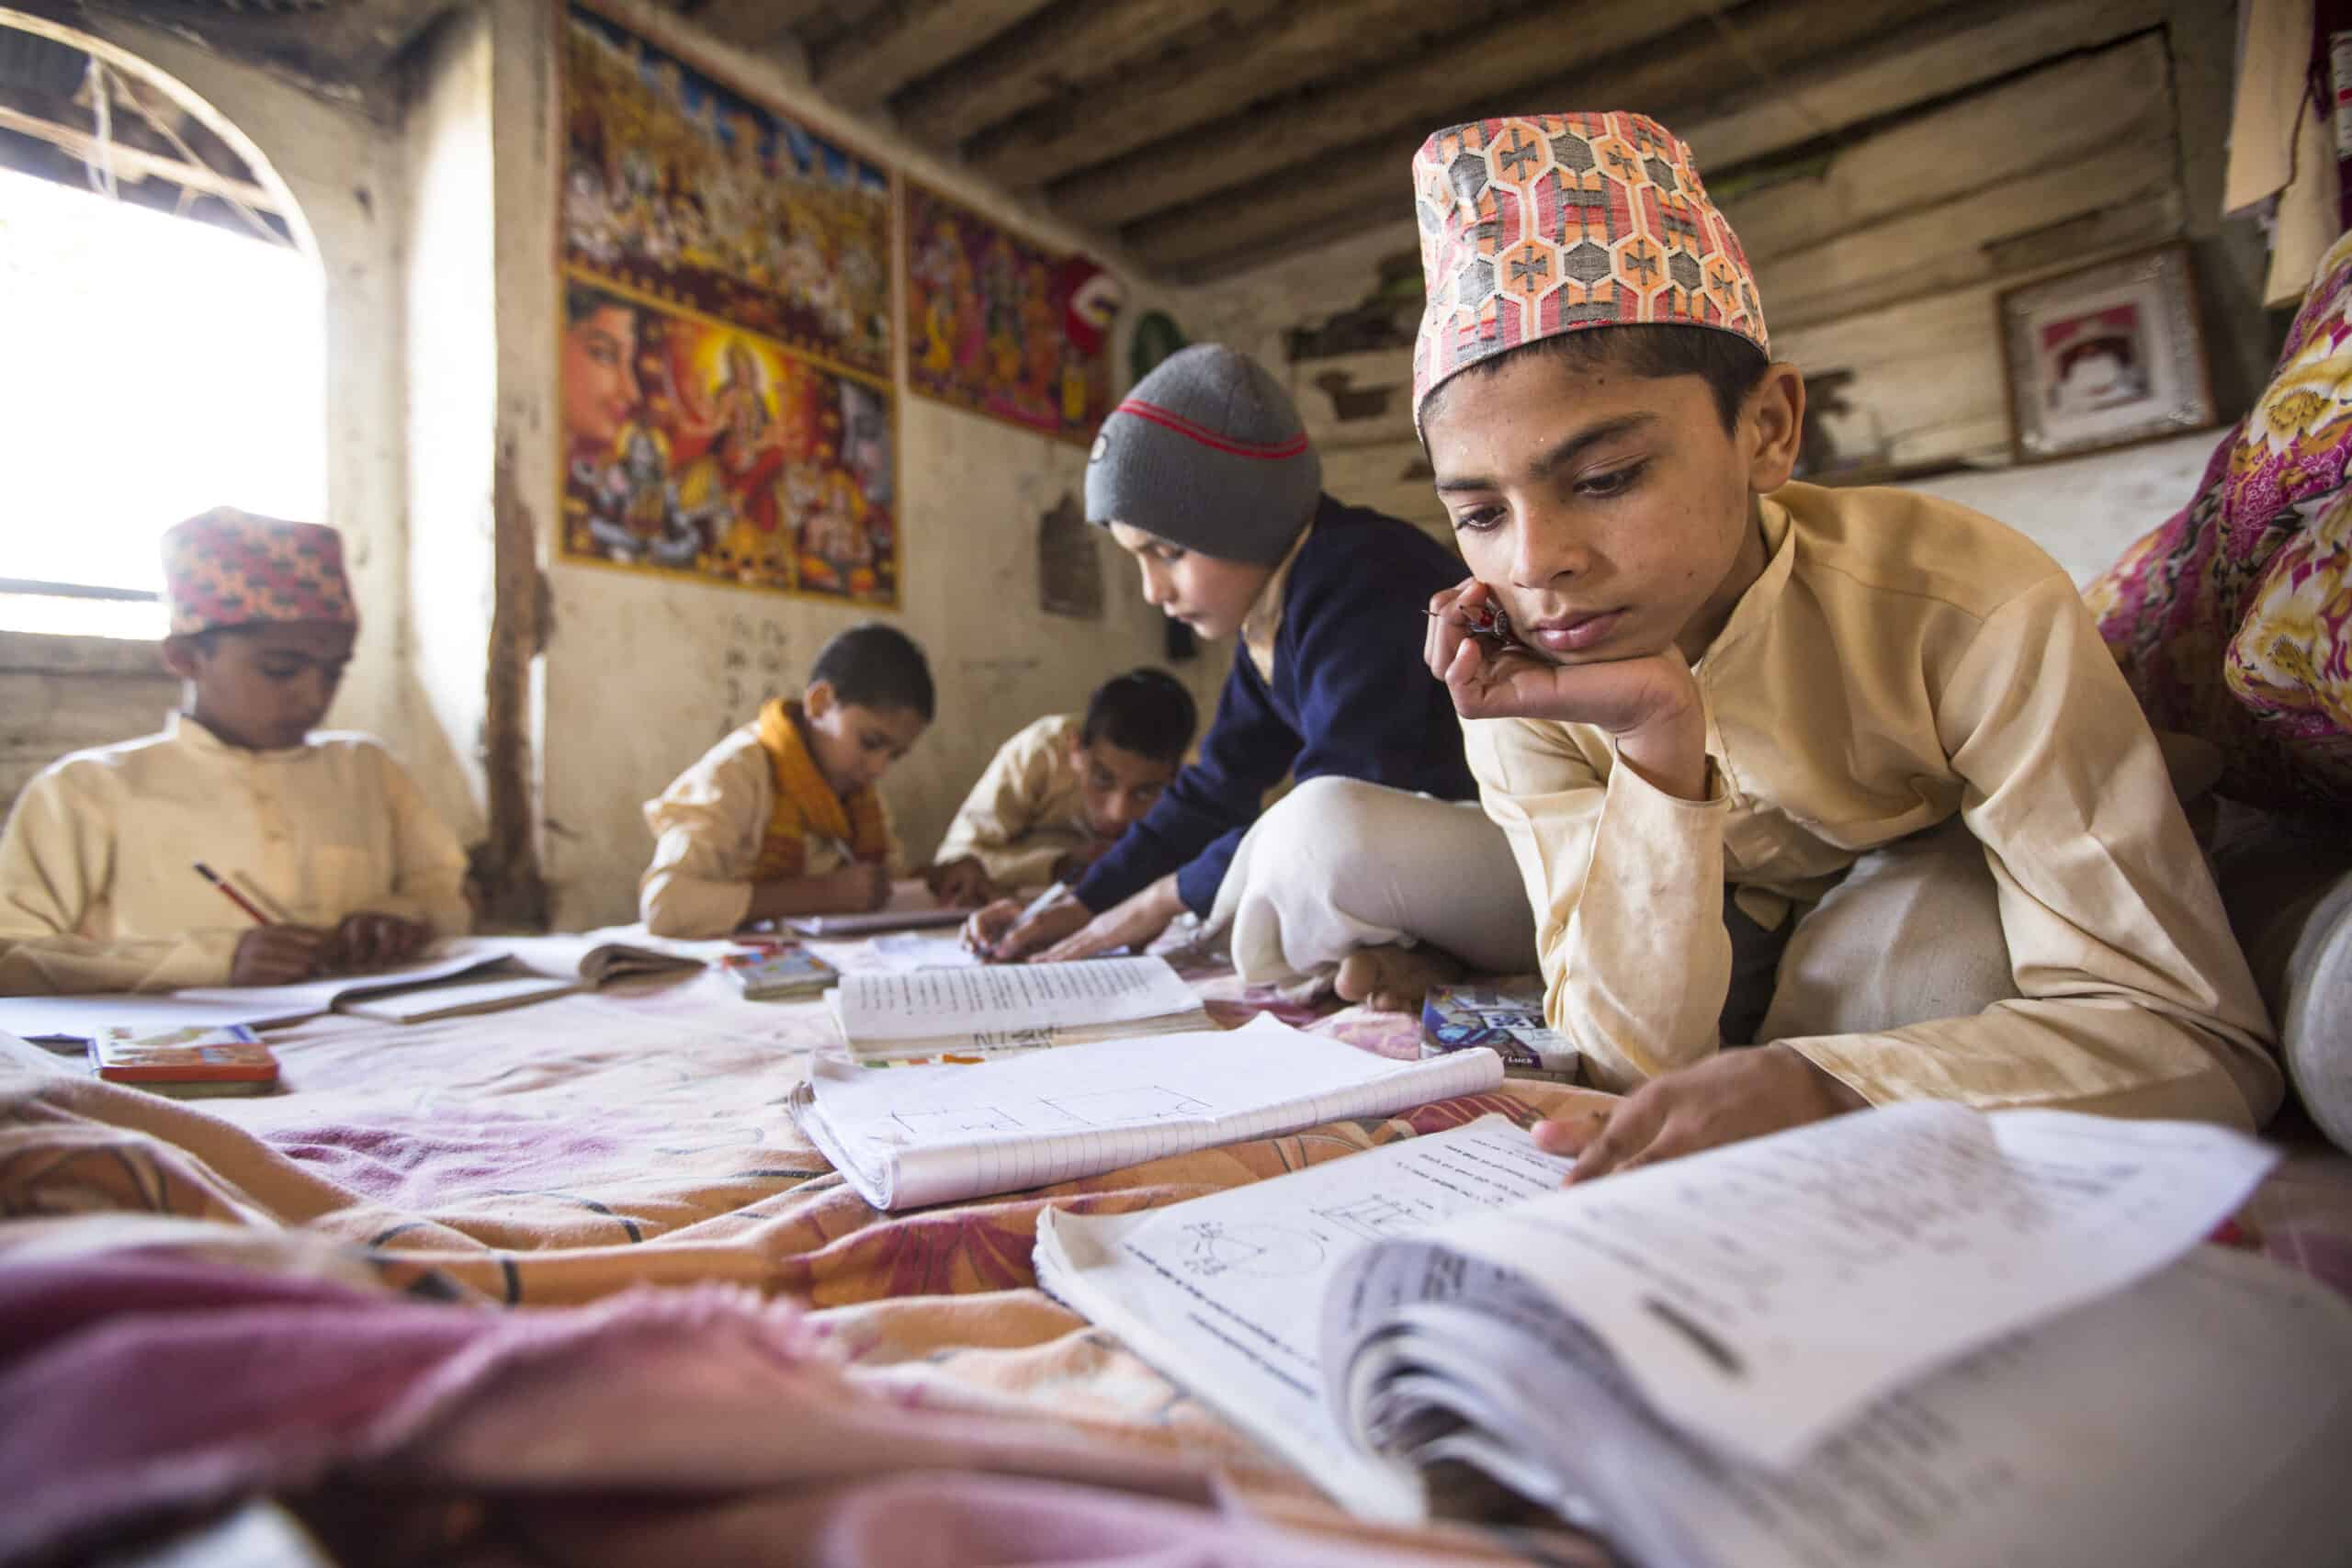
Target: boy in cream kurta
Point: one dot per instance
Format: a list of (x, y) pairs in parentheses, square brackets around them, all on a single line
[(1057, 794), (1715, 691), (782, 817), (324, 832)]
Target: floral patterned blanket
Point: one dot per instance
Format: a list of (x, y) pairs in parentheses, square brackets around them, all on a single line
[(2232, 620), (562, 1153)]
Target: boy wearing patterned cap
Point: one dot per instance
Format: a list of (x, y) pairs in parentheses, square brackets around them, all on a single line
[(1843, 772), (322, 832), (1378, 859)]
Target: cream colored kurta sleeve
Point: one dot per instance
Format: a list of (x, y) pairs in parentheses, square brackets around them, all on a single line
[(56, 859), (2136, 1000), (1016, 820), (1626, 882), (706, 830)]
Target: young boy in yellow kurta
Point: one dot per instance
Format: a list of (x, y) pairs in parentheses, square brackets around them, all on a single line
[(782, 817), (1059, 794), (323, 832), (1770, 757)]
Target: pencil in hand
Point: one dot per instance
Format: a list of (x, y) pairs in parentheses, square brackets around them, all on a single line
[(230, 893)]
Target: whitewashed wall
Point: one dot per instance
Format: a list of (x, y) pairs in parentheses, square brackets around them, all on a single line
[(2085, 511)]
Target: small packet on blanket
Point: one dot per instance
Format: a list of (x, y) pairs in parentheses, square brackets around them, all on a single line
[(1456, 1018), (186, 1063), (778, 972)]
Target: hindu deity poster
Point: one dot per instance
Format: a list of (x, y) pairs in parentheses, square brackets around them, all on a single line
[(687, 191), (1003, 327), (693, 446), (725, 373)]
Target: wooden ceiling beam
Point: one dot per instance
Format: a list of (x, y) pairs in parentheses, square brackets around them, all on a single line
[(1680, 79), (1976, 45), (1070, 41), (2107, 98), (909, 40), (754, 23), (1415, 93), (1295, 45)]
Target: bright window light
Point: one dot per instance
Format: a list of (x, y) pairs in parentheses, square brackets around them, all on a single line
[(159, 366)]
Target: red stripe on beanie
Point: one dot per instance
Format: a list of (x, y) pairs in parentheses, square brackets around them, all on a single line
[(1209, 438)]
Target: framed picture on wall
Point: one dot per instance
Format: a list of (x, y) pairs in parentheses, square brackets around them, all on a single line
[(2106, 355)]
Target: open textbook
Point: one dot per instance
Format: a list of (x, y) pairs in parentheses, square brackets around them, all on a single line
[(465, 975), (458, 975), (1917, 1336), (895, 1014), (916, 1135)]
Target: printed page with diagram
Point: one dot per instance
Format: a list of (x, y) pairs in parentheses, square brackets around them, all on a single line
[(2200, 1417), (1763, 1293), (1224, 1293), (1388, 1315), (915, 1012)]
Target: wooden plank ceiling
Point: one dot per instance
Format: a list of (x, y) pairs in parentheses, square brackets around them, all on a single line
[(1208, 136)]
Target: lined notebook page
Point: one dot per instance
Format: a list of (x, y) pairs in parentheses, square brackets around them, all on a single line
[(907, 1136), (935, 1003)]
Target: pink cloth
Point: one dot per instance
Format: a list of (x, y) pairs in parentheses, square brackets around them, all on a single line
[(699, 1425)]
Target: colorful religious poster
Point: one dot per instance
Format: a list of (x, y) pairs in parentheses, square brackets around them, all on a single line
[(686, 191), (693, 446), (727, 351), (1003, 327)]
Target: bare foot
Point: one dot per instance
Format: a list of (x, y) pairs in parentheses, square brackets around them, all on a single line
[(1395, 979)]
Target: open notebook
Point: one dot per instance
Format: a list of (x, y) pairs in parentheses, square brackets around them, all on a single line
[(1917, 1336), (460, 976), (895, 1015), (465, 975), (917, 1135)]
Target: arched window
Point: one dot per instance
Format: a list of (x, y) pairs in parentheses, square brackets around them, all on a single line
[(162, 324)]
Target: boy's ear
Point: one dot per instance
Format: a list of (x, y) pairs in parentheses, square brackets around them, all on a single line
[(819, 699), (182, 656), (1775, 414)]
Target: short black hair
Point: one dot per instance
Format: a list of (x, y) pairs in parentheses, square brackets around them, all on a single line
[(1145, 711), (878, 667), (1729, 364)]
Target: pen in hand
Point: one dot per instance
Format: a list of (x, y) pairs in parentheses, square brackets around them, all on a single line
[(1034, 904), (1488, 622)]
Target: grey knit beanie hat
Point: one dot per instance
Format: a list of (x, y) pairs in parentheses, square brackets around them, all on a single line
[(1208, 453)]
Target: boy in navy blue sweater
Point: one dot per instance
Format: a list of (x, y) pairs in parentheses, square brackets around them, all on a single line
[(1377, 871)]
